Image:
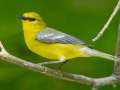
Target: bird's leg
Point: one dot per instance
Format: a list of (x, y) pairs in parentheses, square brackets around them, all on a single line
[(62, 64), (61, 60), (51, 62)]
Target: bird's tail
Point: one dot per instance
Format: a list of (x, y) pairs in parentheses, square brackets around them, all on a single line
[(96, 53)]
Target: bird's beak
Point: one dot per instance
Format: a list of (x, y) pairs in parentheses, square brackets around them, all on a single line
[(21, 17)]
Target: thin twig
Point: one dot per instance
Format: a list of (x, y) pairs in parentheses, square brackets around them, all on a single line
[(104, 28), (117, 64)]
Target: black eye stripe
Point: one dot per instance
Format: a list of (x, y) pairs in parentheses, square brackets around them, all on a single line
[(29, 19)]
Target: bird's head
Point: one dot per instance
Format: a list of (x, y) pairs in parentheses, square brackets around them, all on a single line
[(32, 20)]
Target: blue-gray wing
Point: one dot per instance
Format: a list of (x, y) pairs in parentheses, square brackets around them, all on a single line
[(50, 35)]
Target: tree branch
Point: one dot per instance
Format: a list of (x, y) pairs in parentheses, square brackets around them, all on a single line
[(106, 25), (5, 56)]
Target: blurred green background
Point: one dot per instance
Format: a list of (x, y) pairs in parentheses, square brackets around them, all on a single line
[(80, 18)]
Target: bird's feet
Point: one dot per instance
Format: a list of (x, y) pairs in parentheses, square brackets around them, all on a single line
[(51, 62)]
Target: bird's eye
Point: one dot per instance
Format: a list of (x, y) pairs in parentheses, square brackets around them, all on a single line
[(29, 19)]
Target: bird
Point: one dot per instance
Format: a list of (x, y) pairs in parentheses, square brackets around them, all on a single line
[(50, 43)]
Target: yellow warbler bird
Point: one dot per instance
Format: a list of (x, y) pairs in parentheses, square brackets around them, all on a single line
[(53, 44)]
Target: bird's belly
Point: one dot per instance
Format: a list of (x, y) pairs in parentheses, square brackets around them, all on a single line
[(56, 51)]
